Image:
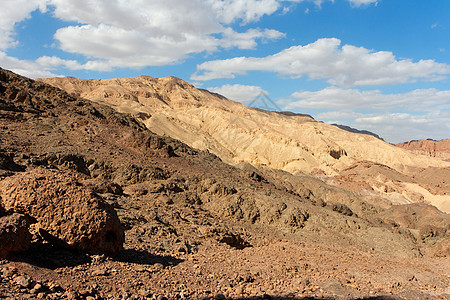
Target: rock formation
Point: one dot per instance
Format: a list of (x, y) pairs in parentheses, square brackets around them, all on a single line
[(195, 226), (290, 142), (439, 149), (66, 212)]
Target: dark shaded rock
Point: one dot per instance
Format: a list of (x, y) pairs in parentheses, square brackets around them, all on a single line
[(7, 162), (14, 234)]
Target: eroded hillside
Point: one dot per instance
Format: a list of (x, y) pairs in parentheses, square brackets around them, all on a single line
[(197, 227), (294, 143), (440, 149)]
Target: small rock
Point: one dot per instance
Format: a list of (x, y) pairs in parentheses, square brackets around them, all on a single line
[(53, 287), (71, 295), (144, 293), (100, 272), (9, 272), (36, 289), (220, 297), (22, 281)]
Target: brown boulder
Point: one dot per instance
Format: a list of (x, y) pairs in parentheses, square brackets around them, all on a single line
[(67, 212), (14, 234)]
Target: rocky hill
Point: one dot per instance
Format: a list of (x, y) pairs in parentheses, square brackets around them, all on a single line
[(195, 227), (431, 148), (290, 142)]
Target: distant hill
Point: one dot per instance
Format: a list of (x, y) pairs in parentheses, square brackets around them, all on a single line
[(238, 134), (354, 130), (429, 147)]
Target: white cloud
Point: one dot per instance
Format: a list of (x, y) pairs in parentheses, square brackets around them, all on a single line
[(342, 99), (394, 127), (45, 65), (140, 33), (26, 68), (229, 11), (359, 3), (419, 114), (239, 92), (11, 13), (345, 65), (400, 127)]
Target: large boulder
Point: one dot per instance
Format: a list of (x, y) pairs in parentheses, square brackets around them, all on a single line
[(14, 234), (67, 212)]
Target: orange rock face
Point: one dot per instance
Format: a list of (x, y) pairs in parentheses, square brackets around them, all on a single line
[(431, 148)]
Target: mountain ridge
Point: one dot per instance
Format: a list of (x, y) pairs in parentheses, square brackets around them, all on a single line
[(238, 134), (223, 231)]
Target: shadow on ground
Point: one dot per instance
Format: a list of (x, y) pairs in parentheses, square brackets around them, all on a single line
[(48, 256), (145, 258), (386, 297)]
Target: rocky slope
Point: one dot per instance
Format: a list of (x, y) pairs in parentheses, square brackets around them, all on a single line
[(195, 227), (294, 143), (440, 149)]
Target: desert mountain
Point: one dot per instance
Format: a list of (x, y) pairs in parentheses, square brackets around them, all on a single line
[(294, 143), (440, 149), (196, 227)]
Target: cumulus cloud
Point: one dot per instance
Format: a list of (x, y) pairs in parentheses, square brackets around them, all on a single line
[(228, 11), (394, 127), (45, 66), (341, 99), (419, 114), (27, 68), (239, 92), (13, 12), (400, 127), (345, 65), (137, 33)]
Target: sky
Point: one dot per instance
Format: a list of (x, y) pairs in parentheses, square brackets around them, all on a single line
[(377, 65)]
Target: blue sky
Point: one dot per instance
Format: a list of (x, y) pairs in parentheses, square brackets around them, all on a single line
[(378, 65)]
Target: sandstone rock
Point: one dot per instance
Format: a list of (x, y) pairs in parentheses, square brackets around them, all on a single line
[(14, 234), (67, 212), (428, 147)]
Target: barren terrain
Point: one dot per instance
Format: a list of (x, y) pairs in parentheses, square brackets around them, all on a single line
[(290, 142), (197, 227)]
